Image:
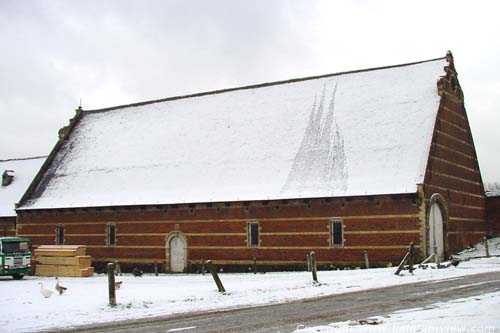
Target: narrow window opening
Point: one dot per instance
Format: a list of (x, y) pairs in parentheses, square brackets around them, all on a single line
[(59, 235), (336, 229), (253, 234), (111, 234)]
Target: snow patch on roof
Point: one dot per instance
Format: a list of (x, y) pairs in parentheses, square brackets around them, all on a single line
[(359, 133), (23, 172)]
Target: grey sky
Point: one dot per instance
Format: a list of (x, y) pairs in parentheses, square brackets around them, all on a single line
[(117, 52)]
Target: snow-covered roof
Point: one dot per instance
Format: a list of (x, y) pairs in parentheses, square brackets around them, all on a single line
[(22, 171), (356, 133)]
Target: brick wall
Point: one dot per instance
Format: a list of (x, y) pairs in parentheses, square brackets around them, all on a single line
[(493, 215), (453, 169), (382, 225), (7, 226)]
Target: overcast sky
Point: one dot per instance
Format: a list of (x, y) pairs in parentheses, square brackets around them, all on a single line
[(54, 53)]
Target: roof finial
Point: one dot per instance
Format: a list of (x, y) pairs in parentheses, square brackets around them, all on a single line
[(449, 56)]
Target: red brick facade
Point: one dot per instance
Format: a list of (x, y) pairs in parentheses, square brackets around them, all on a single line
[(7, 226), (453, 171), (493, 215), (288, 230)]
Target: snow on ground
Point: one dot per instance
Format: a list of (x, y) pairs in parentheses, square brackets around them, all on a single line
[(479, 250), (471, 314), (86, 301)]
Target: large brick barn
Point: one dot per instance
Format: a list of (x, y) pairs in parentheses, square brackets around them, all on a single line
[(337, 164)]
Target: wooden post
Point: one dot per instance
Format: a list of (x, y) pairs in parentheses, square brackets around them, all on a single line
[(308, 262), (213, 270), (255, 265), (486, 247), (202, 266), (367, 262), (402, 263), (313, 266), (411, 257), (156, 268), (111, 284)]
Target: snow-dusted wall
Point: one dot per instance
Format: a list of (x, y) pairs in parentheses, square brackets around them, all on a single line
[(349, 134), (23, 170)]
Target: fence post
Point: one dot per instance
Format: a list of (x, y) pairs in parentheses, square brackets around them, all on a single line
[(367, 262), (255, 265), (408, 257), (313, 266), (217, 280), (486, 246), (202, 266), (156, 268), (111, 284), (411, 251), (308, 256)]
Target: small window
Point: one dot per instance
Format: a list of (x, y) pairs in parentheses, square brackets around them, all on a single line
[(59, 235), (253, 234), (111, 234), (336, 230)]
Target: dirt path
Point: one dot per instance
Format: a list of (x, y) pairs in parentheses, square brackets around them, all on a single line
[(286, 317)]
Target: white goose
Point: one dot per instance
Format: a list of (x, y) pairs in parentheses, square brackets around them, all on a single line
[(45, 292)]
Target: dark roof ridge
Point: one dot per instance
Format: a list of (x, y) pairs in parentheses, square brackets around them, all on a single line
[(254, 86), (23, 158)]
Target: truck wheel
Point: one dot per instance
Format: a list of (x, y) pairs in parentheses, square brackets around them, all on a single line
[(18, 276)]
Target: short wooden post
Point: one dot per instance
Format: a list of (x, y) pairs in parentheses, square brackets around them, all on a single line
[(367, 262), (313, 266), (486, 247), (213, 270), (411, 257), (408, 257), (308, 256), (202, 266), (402, 263), (111, 284), (255, 265), (156, 268)]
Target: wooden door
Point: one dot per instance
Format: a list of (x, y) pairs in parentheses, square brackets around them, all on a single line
[(436, 233), (177, 255)]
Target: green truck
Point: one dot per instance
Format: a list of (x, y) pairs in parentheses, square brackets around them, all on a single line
[(15, 257)]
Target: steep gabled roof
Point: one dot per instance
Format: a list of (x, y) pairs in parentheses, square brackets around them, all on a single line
[(22, 172), (355, 133)]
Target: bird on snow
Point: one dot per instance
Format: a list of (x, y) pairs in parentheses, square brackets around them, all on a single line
[(118, 284), (45, 292), (60, 289)]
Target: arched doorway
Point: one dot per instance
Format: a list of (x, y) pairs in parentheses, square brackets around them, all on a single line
[(176, 252), (436, 231)]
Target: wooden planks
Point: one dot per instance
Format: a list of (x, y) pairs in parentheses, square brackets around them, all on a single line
[(63, 260), (60, 250)]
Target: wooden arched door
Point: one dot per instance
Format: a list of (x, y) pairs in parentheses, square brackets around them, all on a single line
[(436, 231)]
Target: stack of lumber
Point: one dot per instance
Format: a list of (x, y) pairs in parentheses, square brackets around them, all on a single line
[(63, 260)]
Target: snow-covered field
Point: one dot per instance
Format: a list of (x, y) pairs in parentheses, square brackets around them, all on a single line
[(23, 308)]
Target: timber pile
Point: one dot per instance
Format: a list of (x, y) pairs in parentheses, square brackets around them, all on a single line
[(63, 260)]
